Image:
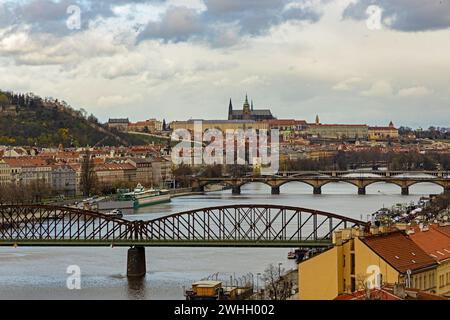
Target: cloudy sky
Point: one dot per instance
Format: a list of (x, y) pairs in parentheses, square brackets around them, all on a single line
[(350, 61)]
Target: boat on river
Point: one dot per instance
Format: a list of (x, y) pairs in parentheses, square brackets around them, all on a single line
[(142, 197)]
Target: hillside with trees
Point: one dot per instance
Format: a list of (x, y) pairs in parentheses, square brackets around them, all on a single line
[(27, 120)]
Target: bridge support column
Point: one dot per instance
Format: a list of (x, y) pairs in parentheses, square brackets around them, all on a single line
[(198, 189), (405, 191), (136, 265), (236, 190), (317, 190), (275, 190), (362, 190)]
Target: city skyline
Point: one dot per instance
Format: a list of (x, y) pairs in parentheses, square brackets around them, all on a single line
[(183, 59)]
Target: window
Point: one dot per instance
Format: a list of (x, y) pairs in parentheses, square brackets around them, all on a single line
[(352, 263), (353, 284)]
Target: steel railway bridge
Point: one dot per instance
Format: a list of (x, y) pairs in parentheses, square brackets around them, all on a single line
[(225, 226)]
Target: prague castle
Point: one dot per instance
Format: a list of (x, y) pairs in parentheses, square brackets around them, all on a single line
[(248, 113)]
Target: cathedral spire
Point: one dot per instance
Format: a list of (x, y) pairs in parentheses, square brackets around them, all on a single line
[(246, 108), (230, 110)]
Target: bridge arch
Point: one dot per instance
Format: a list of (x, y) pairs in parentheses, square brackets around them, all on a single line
[(264, 225), (40, 222), (296, 181)]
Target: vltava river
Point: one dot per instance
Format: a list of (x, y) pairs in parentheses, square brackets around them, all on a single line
[(40, 273)]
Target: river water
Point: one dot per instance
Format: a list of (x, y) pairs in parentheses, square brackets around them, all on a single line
[(41, 273)]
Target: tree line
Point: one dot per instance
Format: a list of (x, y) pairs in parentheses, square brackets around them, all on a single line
[(353, 160)]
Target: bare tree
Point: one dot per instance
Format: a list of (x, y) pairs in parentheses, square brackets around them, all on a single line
[(277, 286)]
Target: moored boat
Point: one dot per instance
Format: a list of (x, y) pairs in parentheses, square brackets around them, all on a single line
[(142, 197)]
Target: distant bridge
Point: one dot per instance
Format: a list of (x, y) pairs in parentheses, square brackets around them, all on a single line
[(225, 226), (318, 179)]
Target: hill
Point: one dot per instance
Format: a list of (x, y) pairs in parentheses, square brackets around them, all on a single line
[(26, 119)]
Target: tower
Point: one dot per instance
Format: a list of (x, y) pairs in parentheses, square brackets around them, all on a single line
[(252, 105), (230, 110), (317, 120), (246, 110)]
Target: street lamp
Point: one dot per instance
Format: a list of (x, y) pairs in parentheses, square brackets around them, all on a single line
[(279, 269)]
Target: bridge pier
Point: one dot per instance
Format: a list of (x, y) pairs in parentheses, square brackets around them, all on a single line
[(362, 190), (317, 190), (236, 190), (198, 189), (136, 264), (275, 190), (405, 191)]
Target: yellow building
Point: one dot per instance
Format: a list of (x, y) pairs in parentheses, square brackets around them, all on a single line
[(354, 260), (221, 125), (383, 133), (5, 173), (338, 131), (435, 240)]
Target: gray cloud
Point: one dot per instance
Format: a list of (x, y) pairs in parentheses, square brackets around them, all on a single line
[(224, 21), (50, 16), (177, 24), (406, 15)]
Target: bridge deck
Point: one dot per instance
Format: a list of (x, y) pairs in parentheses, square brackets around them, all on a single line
[(174, 243)]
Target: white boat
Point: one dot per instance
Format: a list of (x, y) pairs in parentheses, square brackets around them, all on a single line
[(116, 213), (145, 197)]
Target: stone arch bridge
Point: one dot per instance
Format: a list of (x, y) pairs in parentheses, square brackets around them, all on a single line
[(319, 179)]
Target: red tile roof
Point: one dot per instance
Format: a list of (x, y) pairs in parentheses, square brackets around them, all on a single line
[(399, 251), (375, 294), (26, 162), (445, 230), (433, 242)]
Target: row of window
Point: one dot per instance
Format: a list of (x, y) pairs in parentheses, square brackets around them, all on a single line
[(423, 282), (444, 280)]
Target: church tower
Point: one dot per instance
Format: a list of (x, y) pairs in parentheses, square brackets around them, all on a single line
[(246, 110), (230, 111), (317, 120)]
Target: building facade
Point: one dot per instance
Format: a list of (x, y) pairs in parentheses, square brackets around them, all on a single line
[(222, 125), (111, 173), (148, 126), (119, 124), (5, 173), (64, 180), (144, 170), (383, 133)]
